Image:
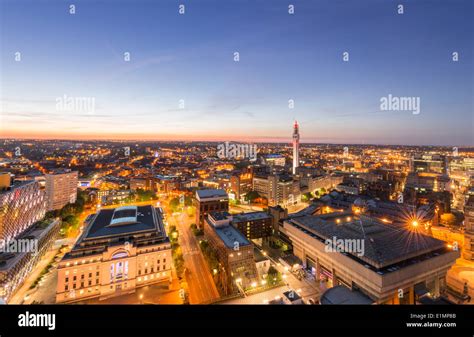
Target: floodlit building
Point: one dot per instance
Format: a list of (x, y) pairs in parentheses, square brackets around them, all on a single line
[(277, 189), (21, 205), (61, 189), (31, 246), (468, 252), (235, 252), (389, 265), (254, 225), (121, 249)]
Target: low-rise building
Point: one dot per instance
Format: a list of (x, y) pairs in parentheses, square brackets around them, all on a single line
[(120, 250), (384, 262)]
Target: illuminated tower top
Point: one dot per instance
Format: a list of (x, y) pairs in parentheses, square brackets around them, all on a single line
[(296, 146)]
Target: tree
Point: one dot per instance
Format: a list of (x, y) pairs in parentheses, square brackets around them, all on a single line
[(307, 197), (251, 196), (273, 276)]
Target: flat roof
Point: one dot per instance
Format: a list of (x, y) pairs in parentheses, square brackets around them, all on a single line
[(229, 235), (211, 193), (118, 221), (219, 215), (383, 245), (251, 216)]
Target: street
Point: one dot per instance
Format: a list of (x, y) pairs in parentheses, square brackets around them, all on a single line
[(200, 283)]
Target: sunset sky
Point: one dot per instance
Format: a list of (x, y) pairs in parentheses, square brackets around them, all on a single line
[(191, 58)]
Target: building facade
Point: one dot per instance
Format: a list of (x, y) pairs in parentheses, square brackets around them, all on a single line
[(254, 225), (468, 251), (277, 189), (61, 189), (21, 205), (16, 267), (390, 266), (121, 249), (207, 201), (235, 253)]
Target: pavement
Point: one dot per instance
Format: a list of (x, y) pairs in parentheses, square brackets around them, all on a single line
[(45, 291)]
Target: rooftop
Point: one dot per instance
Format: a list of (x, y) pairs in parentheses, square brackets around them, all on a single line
[(212, 193), (344, 295), (122, 220), (229, 236), (383, 245), (251, 216)]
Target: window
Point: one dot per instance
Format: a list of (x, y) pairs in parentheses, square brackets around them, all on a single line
[(74, 278), (66, 288), (90, 275), (67, 279)]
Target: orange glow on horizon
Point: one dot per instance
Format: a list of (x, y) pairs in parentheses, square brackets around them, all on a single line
[(16, 134)]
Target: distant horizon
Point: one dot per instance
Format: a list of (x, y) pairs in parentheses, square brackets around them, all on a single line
[(138, 70), (194, 140)]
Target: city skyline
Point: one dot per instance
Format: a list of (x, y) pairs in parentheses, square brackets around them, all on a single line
[(182, 82)]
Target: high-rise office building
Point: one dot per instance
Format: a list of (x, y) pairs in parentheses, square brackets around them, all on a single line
[(296, 146), (21, 205), (61, 189)]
